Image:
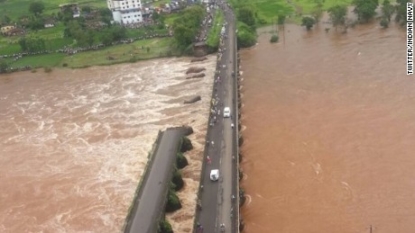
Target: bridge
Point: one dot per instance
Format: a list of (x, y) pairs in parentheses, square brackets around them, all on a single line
[(148, 206), (219, 200)]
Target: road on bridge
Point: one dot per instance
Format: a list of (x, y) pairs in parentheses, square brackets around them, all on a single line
[(216, 198)]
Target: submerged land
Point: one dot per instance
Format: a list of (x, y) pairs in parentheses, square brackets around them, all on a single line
[(62, 45)]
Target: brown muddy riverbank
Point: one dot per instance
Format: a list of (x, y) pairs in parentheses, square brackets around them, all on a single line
[(329, 132), (75, 142)]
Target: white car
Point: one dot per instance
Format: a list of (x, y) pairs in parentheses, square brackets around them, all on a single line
[(214, 175), (227, 112)]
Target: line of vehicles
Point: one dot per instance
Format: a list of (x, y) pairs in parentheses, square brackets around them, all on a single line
[(214, 173)]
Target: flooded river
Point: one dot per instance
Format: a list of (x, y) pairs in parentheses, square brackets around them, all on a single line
[(74, 143), (330, 131)]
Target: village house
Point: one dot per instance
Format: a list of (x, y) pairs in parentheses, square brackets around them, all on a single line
[(49, 23), (76, 12), (6, 29), (126, 11)]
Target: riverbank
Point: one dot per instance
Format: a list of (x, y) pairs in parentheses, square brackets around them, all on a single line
[(138, 50)]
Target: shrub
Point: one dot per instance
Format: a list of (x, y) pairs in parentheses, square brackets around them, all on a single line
[(181, 161), (173, 202), (308, 22), (177, 180), (164, 227), (242, 197), (274, 38), (186, 145), (241, 175), (384, 23), (246, 36)]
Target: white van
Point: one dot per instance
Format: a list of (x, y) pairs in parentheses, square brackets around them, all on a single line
[(214, 175), (227, 112)]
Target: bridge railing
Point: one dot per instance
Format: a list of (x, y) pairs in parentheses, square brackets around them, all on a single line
[(235, 156)]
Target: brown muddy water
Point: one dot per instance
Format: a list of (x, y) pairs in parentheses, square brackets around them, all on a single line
[(330, 131), (74, 143)]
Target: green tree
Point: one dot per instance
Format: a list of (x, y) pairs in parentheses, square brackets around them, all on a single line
[(36, 23), (4, 20), (387, 10), (177, 180), (173, 201), (384, 22), (318, 9), (187, 26), (118, 33), (85, 39), (246, 15), (186, 144), (32, 44), (155, 16), (3, 66), (401, 11), (365, 9), (86, 9), (281, 19), (181, 161), (308, 22), (246, 37), (36, 8), (337, 15), (183, 35), (164, 227), (66, 16), (106, 38), (106, 15), (274, 38)]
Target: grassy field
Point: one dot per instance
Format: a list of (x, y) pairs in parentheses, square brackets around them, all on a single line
[(122, 53), (55, 40), (47, 60), (16, 8), (170, 18), (267, 11), (111, 55), (213, 36)]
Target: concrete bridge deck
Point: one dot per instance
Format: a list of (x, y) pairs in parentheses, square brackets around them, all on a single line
[(149, 206)]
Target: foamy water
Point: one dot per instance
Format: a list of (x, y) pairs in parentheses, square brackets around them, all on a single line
[(74, 143)]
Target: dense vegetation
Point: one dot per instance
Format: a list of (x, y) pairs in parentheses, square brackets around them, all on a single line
[(252, 14), (49, 31), (177, 183), (181, 161), (246, 26), (186, 145), (186, 27), (214, 33), (173, 201), (164, 227), (92, 28)]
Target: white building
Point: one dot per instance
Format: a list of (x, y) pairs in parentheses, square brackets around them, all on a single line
[(125, 11)]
